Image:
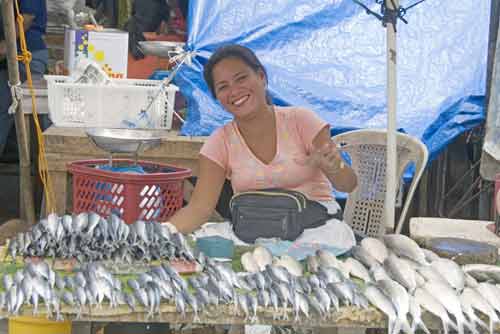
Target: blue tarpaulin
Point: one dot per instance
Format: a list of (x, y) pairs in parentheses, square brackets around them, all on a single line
[(330, 56)]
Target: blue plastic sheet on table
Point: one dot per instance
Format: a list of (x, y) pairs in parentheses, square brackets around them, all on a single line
[(298, 251), (330, 56)]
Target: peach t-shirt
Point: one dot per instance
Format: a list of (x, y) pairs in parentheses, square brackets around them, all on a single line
[(296, 129)]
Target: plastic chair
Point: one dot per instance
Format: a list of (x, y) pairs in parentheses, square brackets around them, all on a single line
[(364, 209)]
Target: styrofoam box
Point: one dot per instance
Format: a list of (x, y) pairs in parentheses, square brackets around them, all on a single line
[(87, 105)]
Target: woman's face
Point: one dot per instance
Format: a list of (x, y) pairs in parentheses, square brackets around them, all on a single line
[(240, 89)]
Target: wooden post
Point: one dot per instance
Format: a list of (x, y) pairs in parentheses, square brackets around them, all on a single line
[(391, 170), (25, 181)]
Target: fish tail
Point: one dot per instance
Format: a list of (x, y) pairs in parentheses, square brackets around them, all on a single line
[(480, 322), (420, 324), (390, 327), (397, 327), (405, 326), (460, 325), (471, 326)]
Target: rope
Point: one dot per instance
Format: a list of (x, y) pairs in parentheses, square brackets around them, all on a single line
[(26, 57)]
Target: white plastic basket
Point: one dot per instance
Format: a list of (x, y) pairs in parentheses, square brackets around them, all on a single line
[(87, 105)]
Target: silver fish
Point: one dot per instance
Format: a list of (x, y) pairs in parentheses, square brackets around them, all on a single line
[(3, 300), (470, 281), (180, 304), (7, 282), (130, 301), (375, 248), (316, 306), (491, 293), (193, 302), (252, 306), (59, 282), (344, 291), (263, 298), (328, 259), (323, 298), (274, 302), (80, 279), (12, 249), (447, 296), (451, 271), (362, 255), (18, 277), (430, 255), (378, 273), (301, 305), (405, 246), (290, 264), (360, 301), (278, 274), (67, 298), (141, 295), (312, 264), (357, 269), (478, 302), (380, 301), (80, 222), (262, 257), (483, 272), (416, 314), (333, 299), (431, 274), (330, 275), (203, 296), (67, 223), (401, 300), (401, 272), (468, 309), (431, 304), (248, 262)]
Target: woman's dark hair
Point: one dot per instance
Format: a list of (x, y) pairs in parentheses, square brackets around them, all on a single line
[(231, 51)]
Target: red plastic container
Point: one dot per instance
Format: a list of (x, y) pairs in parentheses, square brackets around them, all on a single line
[(155, 195)]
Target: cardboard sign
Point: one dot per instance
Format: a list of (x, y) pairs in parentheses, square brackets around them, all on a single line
[(108, 48)]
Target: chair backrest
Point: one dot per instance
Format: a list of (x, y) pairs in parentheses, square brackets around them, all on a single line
[(367, 149)]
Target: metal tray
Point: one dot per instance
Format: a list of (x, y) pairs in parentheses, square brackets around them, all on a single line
[(124, 140), (162, 49)]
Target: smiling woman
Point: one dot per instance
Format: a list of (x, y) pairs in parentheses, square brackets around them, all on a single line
[(265, 146)]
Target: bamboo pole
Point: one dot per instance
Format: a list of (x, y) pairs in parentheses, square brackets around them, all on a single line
[(25, 181), (391, 170)]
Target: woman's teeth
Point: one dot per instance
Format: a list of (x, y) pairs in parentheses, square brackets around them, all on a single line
[(240, 101)]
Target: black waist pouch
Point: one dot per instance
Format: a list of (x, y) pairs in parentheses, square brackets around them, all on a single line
[(274, 213)]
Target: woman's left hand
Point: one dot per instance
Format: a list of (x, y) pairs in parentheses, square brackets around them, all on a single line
[(327, 158)]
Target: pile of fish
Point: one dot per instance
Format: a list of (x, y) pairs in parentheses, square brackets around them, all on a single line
[(399, 278), (89, 237), (402, 280), (92, 286)]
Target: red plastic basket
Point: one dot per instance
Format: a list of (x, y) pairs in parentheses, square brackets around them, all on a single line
[(155, 195)]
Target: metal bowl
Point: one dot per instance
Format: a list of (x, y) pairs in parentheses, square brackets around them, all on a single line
[(162, 49), (124, 140)]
